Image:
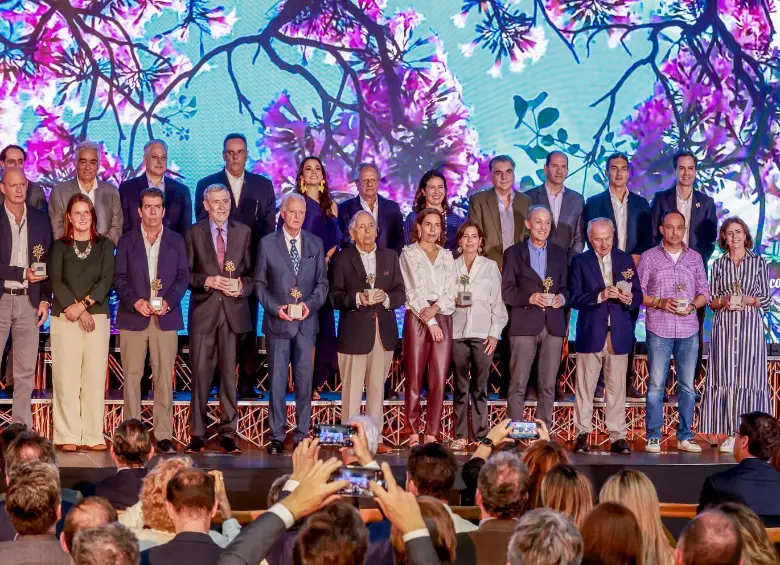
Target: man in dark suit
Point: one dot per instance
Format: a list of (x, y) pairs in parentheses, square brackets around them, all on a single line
[(387, 214), (151, 276), (534, 288), (14, 157), (253, 204), (290, 268), (604, 288), (368, 333), (220, 280), (25, 238), (754, 482), (177, 200)]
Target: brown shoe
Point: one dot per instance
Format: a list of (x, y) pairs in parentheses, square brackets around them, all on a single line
[(98, 447), (69, 448)]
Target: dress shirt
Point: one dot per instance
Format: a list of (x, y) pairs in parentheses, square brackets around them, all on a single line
[(427, 282), (214, 232), (288, 241), (661, 277), (538, 257), (153, 252), (487, 315), (373, 210), (89, 193), (684, 207), (620, 209), (506, 215), (160, 186), (369, 264), (461, 524), (236, 184), (18, 246), (556, 201), (605, 265)]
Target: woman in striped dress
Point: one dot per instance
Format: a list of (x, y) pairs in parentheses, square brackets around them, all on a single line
[(736, 373)]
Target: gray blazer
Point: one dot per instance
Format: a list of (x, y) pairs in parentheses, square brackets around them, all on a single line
[(36, 197), (33, 550), (108, 207), (568, 232)]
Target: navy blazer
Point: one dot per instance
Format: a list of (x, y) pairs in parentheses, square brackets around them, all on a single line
[(390, 222), (274, 279), (594, 319), (178, 204), (639, 237), (122, 489), (519, 281), (754, 483), (131, 279), (704, 220), (568, 233), (192, 548), (38, 233)]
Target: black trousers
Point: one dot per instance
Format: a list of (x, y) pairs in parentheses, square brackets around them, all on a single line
[(472, 366)]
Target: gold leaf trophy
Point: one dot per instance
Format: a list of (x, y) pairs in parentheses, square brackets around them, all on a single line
[(464, 296), (548, 297), (735, 298), (370, 281), (39, 268), (230, 267), (295, 311), (682, 303), (156, 301), (624, 286)]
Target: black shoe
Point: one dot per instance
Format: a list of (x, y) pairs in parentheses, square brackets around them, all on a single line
[(598, 396), (229, 445), (391, 394), (196, 445), (581, 444), (620, 447), (165, 446), (275, 447), (633, 392)]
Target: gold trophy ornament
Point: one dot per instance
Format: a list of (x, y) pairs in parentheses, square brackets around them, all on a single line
[(370, 291), (156, 301), (464, 296), (682, 303), (230, 267), (624, 286), (38, 267), (735, 299), (295, 311), (548, 297)]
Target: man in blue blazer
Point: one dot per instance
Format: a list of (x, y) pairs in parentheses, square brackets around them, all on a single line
[(151, 261), (178, 201), (290, 259), (604, 288)]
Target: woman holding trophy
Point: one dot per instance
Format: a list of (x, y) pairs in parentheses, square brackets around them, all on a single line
[(736, 374), (479, 318)]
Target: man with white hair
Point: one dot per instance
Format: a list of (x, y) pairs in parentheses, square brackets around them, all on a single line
[(290, 271), (104, 196)]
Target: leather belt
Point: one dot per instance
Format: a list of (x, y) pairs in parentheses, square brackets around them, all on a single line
[(17, 291)]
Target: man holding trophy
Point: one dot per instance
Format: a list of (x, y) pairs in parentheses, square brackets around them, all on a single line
[(151, 275)]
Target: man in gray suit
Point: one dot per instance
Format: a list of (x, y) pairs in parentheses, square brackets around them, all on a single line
[(14, 157), (104, 196), (290, 268)]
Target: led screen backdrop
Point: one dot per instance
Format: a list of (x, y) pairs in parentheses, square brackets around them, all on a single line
[(410, 86)]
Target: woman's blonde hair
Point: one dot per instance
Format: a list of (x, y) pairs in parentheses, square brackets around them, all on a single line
[(566, 490), (635, 491), (153, 492), (756, 547)]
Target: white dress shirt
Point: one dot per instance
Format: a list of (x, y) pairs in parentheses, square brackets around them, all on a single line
[(620, 209), (236, 184), (18, 246), (89, 193), (374, 210), (152, 253), (684, 207), (556, 201), (288, 241), (427, 282), (487, 315), (368, 258), (605, 266)]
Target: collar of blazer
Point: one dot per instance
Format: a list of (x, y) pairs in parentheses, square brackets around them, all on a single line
[(491, 200)]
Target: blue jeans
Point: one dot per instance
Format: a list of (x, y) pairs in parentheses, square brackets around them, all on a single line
[(659, 353)]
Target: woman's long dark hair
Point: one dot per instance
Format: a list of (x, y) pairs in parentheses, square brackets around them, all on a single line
[(326, 202), (419, 197), (67, 235)]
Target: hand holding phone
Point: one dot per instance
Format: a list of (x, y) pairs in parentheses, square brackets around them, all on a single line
[(359, 479), (336, 435), (523, 430)]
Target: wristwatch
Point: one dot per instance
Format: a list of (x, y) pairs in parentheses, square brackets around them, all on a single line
[(487, 442)]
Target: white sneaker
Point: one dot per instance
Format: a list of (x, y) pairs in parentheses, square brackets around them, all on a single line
[(688, 445), (653, 446), (728, 445)]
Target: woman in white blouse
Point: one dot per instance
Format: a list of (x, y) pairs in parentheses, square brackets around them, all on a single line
[(476, 329), (429, 277)]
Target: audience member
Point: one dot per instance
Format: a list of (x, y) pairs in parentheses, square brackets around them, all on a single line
[(131, 449), (92, 512), (365, 443), (336, 535), (566, 490), (9, 434), (611, 536), (711, 538), (635, 491), (540, 457), (276, 489), (191, 503), (112, 543), (33, 506), (439, 526), (754, 482), (545, 537), (756, 547)]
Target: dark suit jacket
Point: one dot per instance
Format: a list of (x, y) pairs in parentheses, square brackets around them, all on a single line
[(585, 285), (38, 233), (34, 550), (190, 548), (347, 276), (131, 279), (483, 209), (491, 541), (274, 279), (569, 232), (256, 207), (121, 489), (704, 220), (202, 257), (519, 281), (639, 237), (753, 482), (178, 204), (36, 197), (390, 222)]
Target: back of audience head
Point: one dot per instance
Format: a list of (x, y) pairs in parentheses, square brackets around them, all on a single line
[(112, 543), (756, 547), (131, 445), (33, 498), (88, 513), (711, 538), (26, 447), (611, 536), (8, 435), (566, 490), (440, 526), (759, 436), (431, 470), (336, 535), (370, 428), (502, 486), (545, 537), (191, 498), (154, 491), (276, 489), (540, 457)]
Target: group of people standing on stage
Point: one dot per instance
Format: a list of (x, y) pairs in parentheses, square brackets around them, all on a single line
[(521, 266)]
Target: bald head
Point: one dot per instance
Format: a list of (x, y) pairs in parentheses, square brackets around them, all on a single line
[(711, 538), (14, 186)]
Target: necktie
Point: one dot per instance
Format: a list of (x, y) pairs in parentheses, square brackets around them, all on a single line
[(296, 259), (220, 249)]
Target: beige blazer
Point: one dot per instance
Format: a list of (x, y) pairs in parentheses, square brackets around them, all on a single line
[(483, 210), (108, 208)]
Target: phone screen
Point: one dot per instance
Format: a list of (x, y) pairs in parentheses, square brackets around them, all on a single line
[(359, 479), (523, 430), (336, 435)]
